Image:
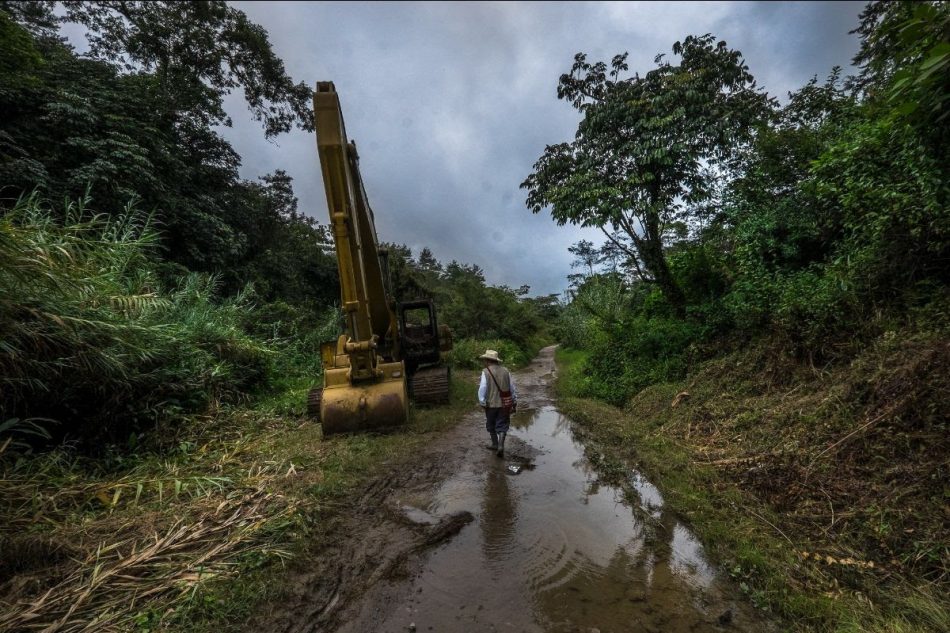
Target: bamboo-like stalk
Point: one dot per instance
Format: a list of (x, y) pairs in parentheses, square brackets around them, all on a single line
[(84, 316)]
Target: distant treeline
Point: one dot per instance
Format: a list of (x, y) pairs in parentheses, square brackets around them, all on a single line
[(481, 316)]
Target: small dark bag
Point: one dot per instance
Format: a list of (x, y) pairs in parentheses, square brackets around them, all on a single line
[(507, 402)]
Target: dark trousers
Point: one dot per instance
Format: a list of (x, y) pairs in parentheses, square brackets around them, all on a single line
[(497, 420)]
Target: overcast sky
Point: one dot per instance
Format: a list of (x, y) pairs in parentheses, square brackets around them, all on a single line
[(452, 104)]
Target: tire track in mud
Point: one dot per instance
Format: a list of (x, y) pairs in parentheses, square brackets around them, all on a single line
[(369, 542)]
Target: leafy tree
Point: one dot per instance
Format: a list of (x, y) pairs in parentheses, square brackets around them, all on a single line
[(407, 279), (427, 261), (825, 221), (905, 59), (197, 52), (282, 253), (585, 255), (548, 307), (35, 16), (773, 222), (839, 211), (648, 148), (19, 59), (429, 270), (77, 126)]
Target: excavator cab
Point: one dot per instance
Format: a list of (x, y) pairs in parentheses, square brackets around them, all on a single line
[(422, 341), (420, 333)]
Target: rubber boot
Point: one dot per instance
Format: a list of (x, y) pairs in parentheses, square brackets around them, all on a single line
[(494, 442), (501, 444)]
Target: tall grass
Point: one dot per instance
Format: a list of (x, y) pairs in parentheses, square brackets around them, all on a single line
[(90, 337)]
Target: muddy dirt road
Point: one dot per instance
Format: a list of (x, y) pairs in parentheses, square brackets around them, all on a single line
[(466, 541)]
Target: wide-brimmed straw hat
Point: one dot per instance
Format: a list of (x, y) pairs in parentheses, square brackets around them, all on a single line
[(490, 354)]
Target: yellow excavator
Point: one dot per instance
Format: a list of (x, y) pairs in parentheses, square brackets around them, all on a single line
[(389, 351)]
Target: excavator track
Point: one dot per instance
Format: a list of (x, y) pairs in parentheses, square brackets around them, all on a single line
[(313, 402), (430, 386)]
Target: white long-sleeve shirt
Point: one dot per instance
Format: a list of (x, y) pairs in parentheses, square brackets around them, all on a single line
[(483, 388)]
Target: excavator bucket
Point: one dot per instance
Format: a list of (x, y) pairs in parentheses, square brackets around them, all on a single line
[(347, 407)]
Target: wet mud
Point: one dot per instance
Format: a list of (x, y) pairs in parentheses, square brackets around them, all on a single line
[(534, 542)]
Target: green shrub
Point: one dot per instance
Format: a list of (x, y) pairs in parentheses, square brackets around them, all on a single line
[(640, 352), (813, 309), (599, 302), (89, 337), (295, 334), (700, 272), (891, 197), (465, 353)]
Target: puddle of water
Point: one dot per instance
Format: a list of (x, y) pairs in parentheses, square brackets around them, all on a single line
[(554, 549)]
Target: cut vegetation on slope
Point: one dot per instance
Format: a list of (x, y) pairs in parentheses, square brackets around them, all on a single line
[(823, 492)]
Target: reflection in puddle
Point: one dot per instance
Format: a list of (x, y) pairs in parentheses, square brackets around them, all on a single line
[(555, 549), (687, 558), (651, 501)]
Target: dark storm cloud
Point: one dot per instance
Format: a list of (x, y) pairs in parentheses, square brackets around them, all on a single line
[(451, 104)]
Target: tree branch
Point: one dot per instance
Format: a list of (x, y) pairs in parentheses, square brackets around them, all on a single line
[(631, 254)]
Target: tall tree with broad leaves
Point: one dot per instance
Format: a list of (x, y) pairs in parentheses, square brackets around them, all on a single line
[(905, 61), (648, 149), (586, 255), (199, 52), (134, 119)]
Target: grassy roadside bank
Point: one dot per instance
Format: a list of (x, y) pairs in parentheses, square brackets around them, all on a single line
[(748, 444), (192, 536)]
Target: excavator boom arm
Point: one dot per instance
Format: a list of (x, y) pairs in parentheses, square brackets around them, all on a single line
[(364, 384), (366, 375), (362, 284)]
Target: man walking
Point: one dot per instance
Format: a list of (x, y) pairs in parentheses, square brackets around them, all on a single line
[(497, 395)]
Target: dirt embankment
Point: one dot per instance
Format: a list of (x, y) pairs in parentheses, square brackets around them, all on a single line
[(823, 488)]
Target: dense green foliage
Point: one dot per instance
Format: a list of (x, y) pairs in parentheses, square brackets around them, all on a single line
[(188, 286), (135, 120), (648, 150), (93, 339), (827, 226)]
